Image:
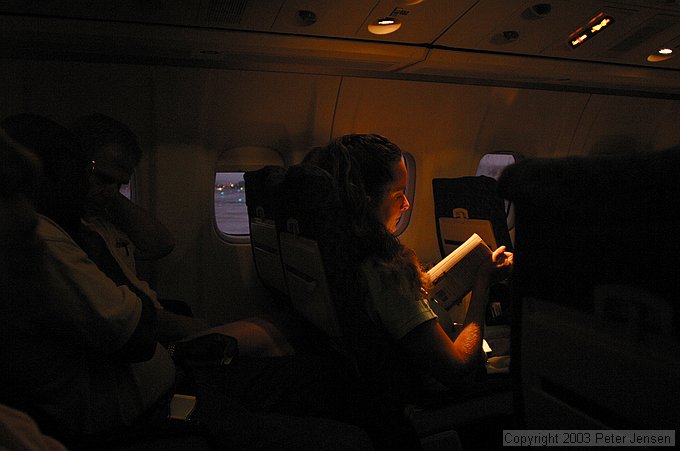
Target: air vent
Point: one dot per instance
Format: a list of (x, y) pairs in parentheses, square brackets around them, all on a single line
[(643, 34), (225, 12)]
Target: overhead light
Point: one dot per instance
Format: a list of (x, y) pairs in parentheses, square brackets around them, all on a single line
[(596, 25), (662, 54), (384, 25)]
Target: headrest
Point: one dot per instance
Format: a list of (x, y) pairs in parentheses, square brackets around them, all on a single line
[(261, 188), (308, 195)]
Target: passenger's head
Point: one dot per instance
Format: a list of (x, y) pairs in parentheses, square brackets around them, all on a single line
[(112, 149), (371, 175), (60, 191)]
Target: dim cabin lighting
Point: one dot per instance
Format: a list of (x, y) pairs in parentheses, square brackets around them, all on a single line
[(384, 25), (662, 54)]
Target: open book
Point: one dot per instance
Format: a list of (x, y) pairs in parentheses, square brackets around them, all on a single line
[(454, 275)]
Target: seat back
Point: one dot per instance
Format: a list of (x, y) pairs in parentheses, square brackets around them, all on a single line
[(595, 277), (586, 370), (306, 281), (261, 188), (308, 205), (467, 205)]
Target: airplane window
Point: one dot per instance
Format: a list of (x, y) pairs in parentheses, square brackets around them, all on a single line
[(126, 190), (491, 165), (229, 196), (410, 192), (231, 215)]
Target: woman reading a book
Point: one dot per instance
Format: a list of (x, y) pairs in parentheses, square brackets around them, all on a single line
[(380, 287)]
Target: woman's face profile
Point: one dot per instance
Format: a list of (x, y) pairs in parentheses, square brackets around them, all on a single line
[(394, 202)]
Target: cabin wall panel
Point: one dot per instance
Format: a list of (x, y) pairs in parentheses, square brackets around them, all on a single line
[(65, 91), (200, 113), (220, 109), (618, 124)]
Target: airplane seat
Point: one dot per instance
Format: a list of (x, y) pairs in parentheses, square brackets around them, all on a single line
[(261, 186), (264, 206), (595, 338), (307, 204), (467, 205), (461, 207)]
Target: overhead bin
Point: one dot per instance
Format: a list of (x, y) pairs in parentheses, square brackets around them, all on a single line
[(504, 69), (491, 42), (45, 37)]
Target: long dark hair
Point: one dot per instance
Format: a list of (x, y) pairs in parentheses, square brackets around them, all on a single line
[(362, 167)]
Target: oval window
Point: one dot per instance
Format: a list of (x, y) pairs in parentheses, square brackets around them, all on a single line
[(229, 195)]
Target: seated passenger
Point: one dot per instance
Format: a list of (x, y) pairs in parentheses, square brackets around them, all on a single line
[(84, 357), (116, 232), (82, 353), (379, 284)]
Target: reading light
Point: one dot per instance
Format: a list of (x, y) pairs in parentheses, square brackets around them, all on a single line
[(384, 25), (596, 25), (662, 54)]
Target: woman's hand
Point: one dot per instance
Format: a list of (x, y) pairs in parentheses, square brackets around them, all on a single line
[(497, 268), (503, 262)]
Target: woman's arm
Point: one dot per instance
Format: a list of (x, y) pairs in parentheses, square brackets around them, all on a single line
[(453, 362), (450, 362)]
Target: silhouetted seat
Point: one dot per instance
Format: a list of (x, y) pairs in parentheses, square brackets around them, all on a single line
[(308, 202), (467, 205), (595, 279), (261, 186)]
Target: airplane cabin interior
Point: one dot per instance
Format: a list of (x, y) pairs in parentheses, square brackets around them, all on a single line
[(550, 127)]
